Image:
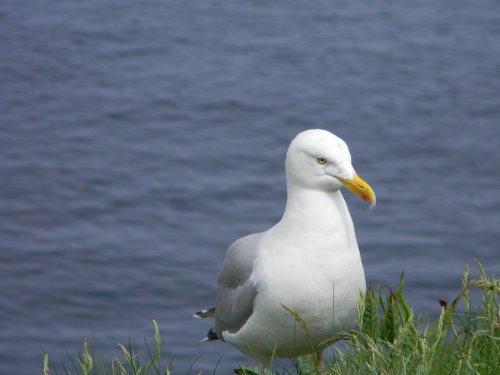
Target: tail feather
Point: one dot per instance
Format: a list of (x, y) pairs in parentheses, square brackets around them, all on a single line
[(208, 313)]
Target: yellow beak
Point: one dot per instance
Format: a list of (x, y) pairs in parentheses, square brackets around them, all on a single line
[(359, 187)]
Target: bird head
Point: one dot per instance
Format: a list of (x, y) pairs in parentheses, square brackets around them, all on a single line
[(319, 160)]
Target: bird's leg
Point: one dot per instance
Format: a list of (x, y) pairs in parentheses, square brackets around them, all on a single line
[(320, 364)]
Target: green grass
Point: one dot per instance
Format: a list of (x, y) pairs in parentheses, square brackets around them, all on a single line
[(128, 362), (389, 339), (465, 338)]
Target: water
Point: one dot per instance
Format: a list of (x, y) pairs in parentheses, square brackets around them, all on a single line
[(138, 139)]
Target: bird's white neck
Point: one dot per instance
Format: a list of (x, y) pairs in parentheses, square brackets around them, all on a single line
[(317, 212)]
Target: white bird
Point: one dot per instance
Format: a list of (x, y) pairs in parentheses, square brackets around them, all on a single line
[(305, 269)]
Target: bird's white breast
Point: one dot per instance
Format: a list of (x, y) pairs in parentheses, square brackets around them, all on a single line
[(320, 279)]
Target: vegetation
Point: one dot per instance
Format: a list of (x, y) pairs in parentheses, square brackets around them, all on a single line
[(465, 339), (128, 363)]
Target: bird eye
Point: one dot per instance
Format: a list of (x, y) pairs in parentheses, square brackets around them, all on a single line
[(321, 160)]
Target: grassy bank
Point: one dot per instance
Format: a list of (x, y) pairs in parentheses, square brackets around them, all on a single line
[(389, 339)]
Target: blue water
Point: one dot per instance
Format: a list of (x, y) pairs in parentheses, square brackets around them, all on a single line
[(138, 139)]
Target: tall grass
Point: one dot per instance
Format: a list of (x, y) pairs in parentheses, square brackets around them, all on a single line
[(389, 339), (128, 362), (465, 338)]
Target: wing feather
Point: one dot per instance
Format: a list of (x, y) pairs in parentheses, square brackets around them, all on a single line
[(236, 292)]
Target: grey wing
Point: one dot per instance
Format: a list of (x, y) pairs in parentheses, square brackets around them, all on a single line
[(236, 292)]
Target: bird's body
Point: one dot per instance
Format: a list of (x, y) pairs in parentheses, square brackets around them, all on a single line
[(309, 269), (305, 269)]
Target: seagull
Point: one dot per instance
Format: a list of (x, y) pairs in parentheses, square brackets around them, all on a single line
[(293, 289)]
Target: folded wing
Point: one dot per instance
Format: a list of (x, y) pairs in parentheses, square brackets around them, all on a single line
[(236, 291)]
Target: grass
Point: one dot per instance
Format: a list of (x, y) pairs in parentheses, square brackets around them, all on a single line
[(465, 338), (389, 339), (128, 362)]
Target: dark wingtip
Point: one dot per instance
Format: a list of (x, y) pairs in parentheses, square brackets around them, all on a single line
[(208, 313), (211, 336)]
